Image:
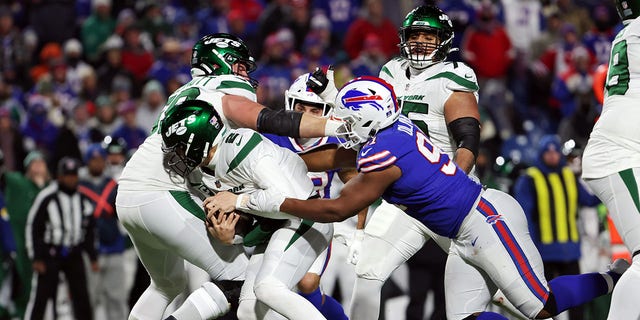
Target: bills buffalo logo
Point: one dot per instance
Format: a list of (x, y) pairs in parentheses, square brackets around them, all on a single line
[(356, 100), (494, 218)]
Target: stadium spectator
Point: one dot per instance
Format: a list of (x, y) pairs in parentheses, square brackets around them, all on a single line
[(484, 40), (129, 131), (20, 190), (137, 56), (16, 59), (97, 29), (11, 144), (148, 111), (108, 287), (550, 195), (372, 20)]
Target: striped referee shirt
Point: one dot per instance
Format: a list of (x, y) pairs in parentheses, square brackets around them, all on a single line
[(59, 223)]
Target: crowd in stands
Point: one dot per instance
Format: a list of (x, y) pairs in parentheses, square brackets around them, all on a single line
[(74, 73)]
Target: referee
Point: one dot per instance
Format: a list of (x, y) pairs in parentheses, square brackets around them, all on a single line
[(59, 228)]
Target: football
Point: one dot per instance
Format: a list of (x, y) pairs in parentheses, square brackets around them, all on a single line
[(244, 224)]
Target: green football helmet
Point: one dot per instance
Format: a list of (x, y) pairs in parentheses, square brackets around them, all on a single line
[(215, 54), (429, 19), (628, 9), (189, 130)]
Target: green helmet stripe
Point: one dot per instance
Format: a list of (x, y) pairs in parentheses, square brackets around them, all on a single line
[(457, 79), (244, 152)]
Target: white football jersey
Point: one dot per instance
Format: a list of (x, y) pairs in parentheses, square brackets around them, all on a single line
[(614, 144), (145, 171), (245, 161), (423, 96)]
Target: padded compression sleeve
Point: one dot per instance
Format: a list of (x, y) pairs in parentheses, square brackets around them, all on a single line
[(280, 122), (466, 133)]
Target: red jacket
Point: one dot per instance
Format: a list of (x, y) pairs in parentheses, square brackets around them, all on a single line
[(358, 31)]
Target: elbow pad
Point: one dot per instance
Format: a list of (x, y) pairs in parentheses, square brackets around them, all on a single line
[(466, 133), (280, 122)]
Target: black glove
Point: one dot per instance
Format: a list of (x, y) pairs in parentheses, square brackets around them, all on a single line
[(318, 80)]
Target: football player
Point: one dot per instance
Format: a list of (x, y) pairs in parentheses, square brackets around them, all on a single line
[(487, 228), (611, 160), (441, 98), (154, 203), (326, 184), (243, 161)]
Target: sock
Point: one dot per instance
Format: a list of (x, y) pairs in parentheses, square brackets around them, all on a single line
[(574, 290), (491, 316), (332, 310), (314, 297)]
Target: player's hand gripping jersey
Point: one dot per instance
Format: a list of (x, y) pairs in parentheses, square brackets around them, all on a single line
[(245, 161), (423, 96), (432, 189), (145, 170)]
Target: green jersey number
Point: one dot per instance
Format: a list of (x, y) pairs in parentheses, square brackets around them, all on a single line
[(618, 75), (416, 107), (186, 94)]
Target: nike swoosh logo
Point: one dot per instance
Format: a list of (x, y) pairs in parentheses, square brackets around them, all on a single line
[(365, 152), (468, 76), (473, 243)]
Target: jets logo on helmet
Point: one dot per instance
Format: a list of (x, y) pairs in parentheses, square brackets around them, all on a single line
[(366, 105), (179, 128), (216, 54), (189, 131)]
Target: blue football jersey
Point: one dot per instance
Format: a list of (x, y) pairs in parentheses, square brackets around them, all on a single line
[(326, 184), (432, 188)]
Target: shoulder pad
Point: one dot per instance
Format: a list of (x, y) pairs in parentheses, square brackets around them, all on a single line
[(234, 85)]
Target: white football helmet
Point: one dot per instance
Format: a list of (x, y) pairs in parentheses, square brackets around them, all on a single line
[(299, 92), (366, 105)]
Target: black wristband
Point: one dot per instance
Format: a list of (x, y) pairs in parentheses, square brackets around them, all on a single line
[(466, 133), (280, 122)]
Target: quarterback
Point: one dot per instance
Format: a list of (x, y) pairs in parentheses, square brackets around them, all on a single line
[(154, 204), (243, 161), (440, 97)]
